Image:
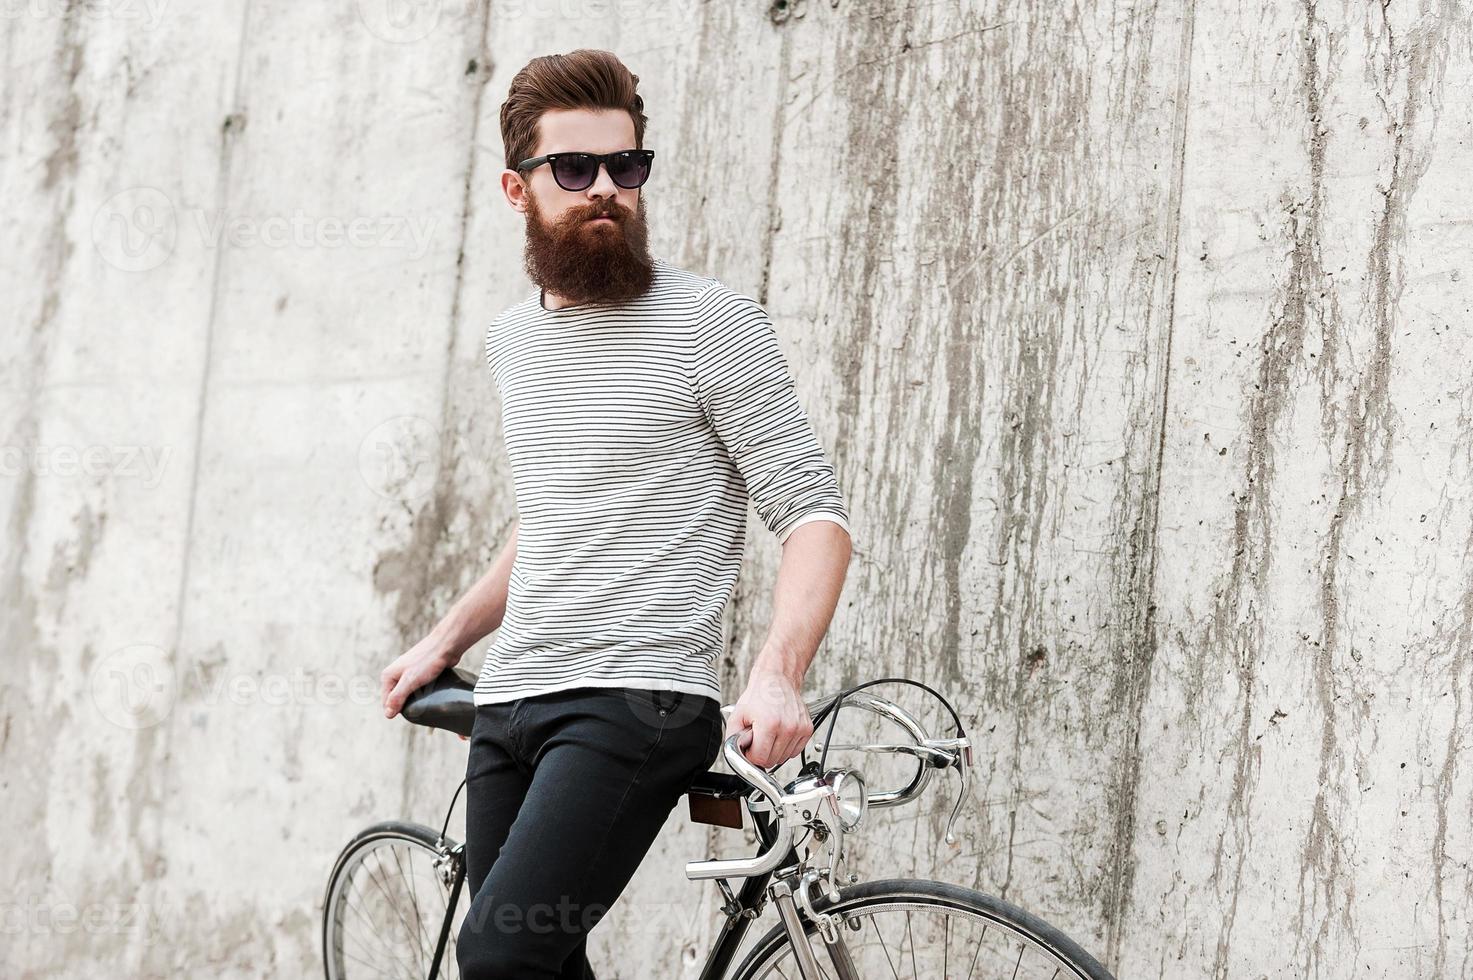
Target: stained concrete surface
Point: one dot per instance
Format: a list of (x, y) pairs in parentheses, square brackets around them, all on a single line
[(1138, 334)]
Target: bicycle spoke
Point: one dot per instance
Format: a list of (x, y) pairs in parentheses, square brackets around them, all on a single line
[(945, 942), (382, 886), (908, 935), (893, 972), (978, 953), (389, 951), (383, 919), (378, 877), (414, 932), (374, 967), (419, 922), (923, 936)]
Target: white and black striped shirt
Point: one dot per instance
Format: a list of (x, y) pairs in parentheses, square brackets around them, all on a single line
[(636, 434)]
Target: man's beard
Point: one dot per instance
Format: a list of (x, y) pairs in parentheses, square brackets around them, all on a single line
[(590, 263)]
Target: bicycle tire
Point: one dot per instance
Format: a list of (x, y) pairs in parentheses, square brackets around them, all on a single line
[(900, 892), (413, 834)]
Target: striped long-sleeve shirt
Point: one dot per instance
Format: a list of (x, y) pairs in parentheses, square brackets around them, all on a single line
[(636, 434)]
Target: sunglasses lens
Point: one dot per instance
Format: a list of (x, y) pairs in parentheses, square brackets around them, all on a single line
[(629, 169), (575, 171)]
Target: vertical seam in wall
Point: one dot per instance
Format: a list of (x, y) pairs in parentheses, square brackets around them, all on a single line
[(774, 164), (1124, 870), (769, 233), (202, 400), (444, 476), (222, 193)]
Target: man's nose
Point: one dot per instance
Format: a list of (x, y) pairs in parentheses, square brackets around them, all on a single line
[(603, 185)]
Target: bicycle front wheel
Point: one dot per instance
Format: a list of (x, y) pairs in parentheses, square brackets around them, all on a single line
[(386, 904), (926, 930)]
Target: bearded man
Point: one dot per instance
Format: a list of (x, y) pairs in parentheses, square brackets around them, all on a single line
[(644, 406)]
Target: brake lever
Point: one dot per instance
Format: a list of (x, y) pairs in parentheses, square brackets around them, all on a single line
[(963, 765)]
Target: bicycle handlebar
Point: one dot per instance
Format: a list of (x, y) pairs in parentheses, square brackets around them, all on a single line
[(932, 753), (763, 783)]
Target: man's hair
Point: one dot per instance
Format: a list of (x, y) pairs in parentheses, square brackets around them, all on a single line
[(587, 78)]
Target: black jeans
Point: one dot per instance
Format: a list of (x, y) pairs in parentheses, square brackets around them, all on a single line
[(565, 793)]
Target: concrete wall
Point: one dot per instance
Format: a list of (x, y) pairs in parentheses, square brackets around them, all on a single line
[(1139, 333)]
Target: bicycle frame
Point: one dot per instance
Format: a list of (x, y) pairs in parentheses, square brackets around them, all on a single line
[(774, 833), (741, 908), (455, 855)]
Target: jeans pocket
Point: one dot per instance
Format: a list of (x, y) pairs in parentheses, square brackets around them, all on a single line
[(718, 733), (670, 711)]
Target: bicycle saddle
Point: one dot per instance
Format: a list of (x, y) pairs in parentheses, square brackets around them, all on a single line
[(446, 702)]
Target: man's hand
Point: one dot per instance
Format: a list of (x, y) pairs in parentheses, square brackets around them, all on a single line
[(411, 671), (772, 706)]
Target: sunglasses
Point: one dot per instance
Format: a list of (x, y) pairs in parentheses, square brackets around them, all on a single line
[(578, 171)]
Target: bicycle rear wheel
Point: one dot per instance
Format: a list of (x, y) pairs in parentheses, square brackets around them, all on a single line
[(386, 903), (928, 930)]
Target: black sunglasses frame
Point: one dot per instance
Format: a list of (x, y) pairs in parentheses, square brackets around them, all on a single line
[(600, 159)]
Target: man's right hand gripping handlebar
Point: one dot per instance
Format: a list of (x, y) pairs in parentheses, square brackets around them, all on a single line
[(732, 751)]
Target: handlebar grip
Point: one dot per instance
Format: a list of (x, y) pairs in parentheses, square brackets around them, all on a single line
[(783, 836)]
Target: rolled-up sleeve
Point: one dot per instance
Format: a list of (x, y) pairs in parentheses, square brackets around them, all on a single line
[(742, 382)]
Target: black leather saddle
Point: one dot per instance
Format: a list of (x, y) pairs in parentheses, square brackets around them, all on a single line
[(448, 702)]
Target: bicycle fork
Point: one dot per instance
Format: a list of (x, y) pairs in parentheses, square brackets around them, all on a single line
[(828, 924)]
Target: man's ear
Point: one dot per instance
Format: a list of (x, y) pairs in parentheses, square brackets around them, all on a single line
[(514, 189)]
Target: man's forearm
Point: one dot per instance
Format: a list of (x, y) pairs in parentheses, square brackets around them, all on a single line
[(481, 609), (809, 580)]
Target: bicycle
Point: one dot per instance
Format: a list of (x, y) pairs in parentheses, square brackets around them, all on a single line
[(825, 929)]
